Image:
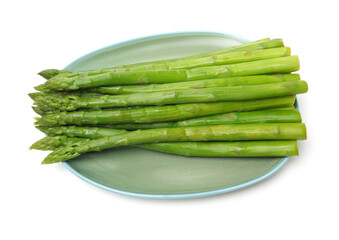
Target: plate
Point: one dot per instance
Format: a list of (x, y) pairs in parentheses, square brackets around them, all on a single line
[(146, 173)]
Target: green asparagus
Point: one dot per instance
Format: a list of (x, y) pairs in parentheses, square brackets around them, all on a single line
[(80, 132), (49, 73), (159, 113), (292, 117), (263, 116), (268, 66), (230, 102), (198, 149), (256, 45), (207, 83), (227, 149), (260, 44), (232, 132), (51, 143), (220, 94), (221, 59)]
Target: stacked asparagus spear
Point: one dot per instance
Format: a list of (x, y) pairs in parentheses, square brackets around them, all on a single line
[(231, 102)]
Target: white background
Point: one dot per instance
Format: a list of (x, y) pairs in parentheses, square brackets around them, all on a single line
[(48, 202)]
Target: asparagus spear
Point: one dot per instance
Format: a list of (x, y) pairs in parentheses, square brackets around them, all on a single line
[(49, 73), (268, 66), (207, 83), (41, 111), (38, 95), (263, 116), (277, 115), (198, 149), (237, 93), (227, 149), (159, 113), (232, 132), (209, 120), (50, 143), (63, 136), (260, 44), (81, 132), (42, 88), (221, 59)]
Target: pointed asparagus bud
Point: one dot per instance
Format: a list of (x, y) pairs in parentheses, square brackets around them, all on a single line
[(49, 73)]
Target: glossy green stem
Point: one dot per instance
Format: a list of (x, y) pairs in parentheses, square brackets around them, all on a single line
[(220, 94), (263, 116), (159, 113), (232, 132), (220, 59), (207, 83), (197, 149), (80, 132), (269, 66), (227, 149), (260, 44), (50, 143), (49, 73)]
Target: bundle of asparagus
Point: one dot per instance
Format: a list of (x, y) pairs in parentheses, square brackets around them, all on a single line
[(231, 102)]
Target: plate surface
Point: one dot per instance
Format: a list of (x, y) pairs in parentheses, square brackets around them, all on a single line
[(146, 173)]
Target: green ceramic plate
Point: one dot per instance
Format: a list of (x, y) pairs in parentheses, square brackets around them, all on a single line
[(146, 173)]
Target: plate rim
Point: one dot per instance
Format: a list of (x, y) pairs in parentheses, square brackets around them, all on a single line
[(182, 195)]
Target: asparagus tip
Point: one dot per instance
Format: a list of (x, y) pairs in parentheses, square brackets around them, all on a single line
[(33, 96), (49, 73), (47, 143), (60, 155)]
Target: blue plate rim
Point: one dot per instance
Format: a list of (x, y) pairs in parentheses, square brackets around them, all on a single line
[(172, 196)]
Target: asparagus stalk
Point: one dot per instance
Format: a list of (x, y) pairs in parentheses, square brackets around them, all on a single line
[(51, 143), (159, 113), (263, 116), (135, 126), (80, 132), (260, 44), (207, 83), (49, 73), (267, 66), (197, 149), (221, 59), (42, 88), (277, 115), (227, 149), (37, 95), (41, 111), (233, 132), (237, 93)]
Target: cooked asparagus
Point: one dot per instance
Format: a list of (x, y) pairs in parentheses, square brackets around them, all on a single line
[(232, 132), (159, 113), (268, 66)]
